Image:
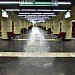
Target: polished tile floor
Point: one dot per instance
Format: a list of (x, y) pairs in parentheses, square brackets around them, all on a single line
[(37, 40), (37, 66), (37, 53)]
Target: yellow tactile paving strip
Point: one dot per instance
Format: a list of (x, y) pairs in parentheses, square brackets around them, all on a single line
[(33, 54)]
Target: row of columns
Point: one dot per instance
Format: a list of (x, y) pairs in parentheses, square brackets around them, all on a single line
[(6, 25), (60, 22), (54, 24)]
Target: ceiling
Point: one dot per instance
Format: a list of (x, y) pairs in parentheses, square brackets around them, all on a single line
[(60, 7)]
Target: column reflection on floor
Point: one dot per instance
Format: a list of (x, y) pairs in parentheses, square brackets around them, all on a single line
[(36, 42), (37, 66)]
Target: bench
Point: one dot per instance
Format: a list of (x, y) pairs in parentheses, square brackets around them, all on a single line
[(62, 35), (11, 35)]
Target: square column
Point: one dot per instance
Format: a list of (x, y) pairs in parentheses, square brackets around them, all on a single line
[(22, 24), (6, 26), (56, 25), (26, 25), (47, 25), (67, 27), (51, 26), (17, 27)]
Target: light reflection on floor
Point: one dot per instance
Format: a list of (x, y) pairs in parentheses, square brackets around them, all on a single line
[(36, 42)]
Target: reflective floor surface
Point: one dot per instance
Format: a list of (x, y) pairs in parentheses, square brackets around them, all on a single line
[(37, 52), (37, 66), (37, 40)]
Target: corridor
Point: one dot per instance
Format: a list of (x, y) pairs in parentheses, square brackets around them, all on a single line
[(37, 40), (37, 37)]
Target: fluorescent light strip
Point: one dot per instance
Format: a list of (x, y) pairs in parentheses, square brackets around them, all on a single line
[(24, 13), (43, 10), (28, 9), (41, 15), (59, 10), (16, 2), (43, 3), (26, 3), (37, 4), (32, 15), (46, 17), (64, 2), (12, 9), (48, 13), (36, 13), (9, 2), (51, 15)]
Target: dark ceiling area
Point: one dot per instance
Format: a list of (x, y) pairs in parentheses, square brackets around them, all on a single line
[(16, 6), (59, 7)]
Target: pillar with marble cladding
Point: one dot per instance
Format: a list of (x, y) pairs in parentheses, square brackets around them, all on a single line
[(6, 26), (17, 27), (51, 26), (47, 24), (67, 27), (56, 25)]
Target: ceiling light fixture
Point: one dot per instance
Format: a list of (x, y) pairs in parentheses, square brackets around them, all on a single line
[(64, 3), (59, 10), (38, 4), (51, 15), (32, 15), (48, 13), (4, 14), (28, 3), (35, 3), (28, 9), (36, 13), (43, 10), (9, 2), (41, 15), (55, 2), (24, 13), (12, 9)]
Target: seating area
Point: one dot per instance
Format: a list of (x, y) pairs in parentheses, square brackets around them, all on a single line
[(11, 35), (62, 35)]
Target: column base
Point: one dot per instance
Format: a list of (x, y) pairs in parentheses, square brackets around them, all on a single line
[(17, 34), (66, 39), (6, 39), (56, 34)]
